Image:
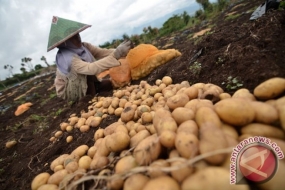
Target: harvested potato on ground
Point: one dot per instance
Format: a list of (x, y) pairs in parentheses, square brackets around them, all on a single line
[(84, 162), (167, 80), (167, 138), (118, 141), (147, 150), (230, 131), (211, 139), (197, 103), (91, 151), (48, 187), (71, 166), (125, 164), (189, 126), (207, 116), (235, 111), (84, 128), (259, 129), (146, 117), (99, 134), (138, 137), (264, 113), (162, 182), (187, 144), (243, 93), (127, 114), (211, 178), (99, 162), (10, 144), (58, 161), (164, 124), (69, 139), (111, 128), (40, 180), (80, 151), (270, 88), (135, 182), (182, 114), (155, 168), (178, 100), (224, 96), (57, 177)]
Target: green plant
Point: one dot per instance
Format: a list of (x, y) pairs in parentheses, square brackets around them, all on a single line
[(220, 60), (232, 83), (232, 17), (52, 95), (195, 68), (58, 112)]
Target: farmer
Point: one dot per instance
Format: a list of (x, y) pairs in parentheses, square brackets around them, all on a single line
[(78, 62)]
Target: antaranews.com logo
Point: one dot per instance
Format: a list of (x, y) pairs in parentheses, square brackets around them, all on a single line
[(254, 159)]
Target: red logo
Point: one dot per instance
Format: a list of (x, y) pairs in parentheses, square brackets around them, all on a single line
[(54, 20), (258, 163)]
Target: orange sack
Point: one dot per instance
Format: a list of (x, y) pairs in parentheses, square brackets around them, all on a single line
[(144, 58)]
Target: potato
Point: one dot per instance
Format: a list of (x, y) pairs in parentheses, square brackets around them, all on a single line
[(99, 162), (244, 93), (182, 114), (57, 177), (118, 141), (167, 138), (84, 128), (80, 150), (84, 162), (207, 179), (71, 166), (147, 150), (230, 131), (165, 123), (115, 102), (48, 187), (178, 100), (150, 129), (58, 134), (125, 164), (10, 144), (235, 111), (162, 182), (127, 114), (264, 113), (270, 88), (107, 102), (207, 116), (115, 183), (259, 129), (197, 103), (40, 180), (224, 95), (192, 92), (91, 151), (111, 128), (146, 117), (95, 122), (121, 128), (155, 168), (182, 171), (63, 126), (102, 149), (58, 167), (99, 134), (69, 128), (58, 161), (280, 104), (69, 139), (211, 139), (135, 181), (73, 120), (189, 126), (167, 80), (80, 122), (118, 111), (138, 137), (187, 144)]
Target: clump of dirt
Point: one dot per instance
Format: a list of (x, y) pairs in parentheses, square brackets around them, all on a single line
[(247, 51)]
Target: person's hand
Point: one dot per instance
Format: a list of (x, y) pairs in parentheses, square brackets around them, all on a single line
[(123, 49)]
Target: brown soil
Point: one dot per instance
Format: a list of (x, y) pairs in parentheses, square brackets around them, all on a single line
[(251, 51)]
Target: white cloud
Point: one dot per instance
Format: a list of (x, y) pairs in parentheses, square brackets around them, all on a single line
[(25, 24)]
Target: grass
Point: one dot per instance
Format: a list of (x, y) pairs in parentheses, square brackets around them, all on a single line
[(232, 17)]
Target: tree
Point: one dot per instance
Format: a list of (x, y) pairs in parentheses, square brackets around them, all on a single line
[(185, 17), (23, 69), (38, 67), (43, 58), (26, 62), (125, 37), (206, 5), (10, 69)]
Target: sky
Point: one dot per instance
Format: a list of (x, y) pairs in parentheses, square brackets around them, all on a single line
[(25, 24)]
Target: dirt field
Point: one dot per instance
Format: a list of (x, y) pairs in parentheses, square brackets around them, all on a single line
[(250, 51)]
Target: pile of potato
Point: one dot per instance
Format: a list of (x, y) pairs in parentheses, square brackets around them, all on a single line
[(164, 132)]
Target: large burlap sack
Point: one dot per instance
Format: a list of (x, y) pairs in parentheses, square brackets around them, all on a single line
[(144, 58), (120, 75)]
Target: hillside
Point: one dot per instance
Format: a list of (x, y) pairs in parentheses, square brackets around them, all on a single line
[(250, 51)]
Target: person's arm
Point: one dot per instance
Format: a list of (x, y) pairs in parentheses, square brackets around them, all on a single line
[(97, 52), (95, 67)]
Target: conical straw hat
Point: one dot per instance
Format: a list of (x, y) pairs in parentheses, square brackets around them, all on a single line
[(63, 29)]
